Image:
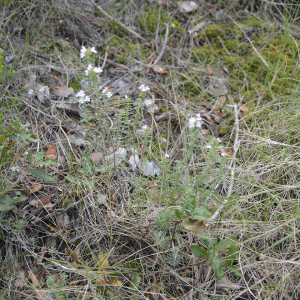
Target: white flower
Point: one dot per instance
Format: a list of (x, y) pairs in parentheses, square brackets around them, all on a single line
[(144, 127), (208, 146), (109, 94), (93, 50), (223, 153), (126, 96), (98, 70), (195, 122), (89, 68), (219, 140), (144, 88), (86, 99), (167, 155), (104, 90), (80, 94), (82, 51)]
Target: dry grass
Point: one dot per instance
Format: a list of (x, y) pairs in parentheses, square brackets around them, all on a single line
[(114, 247)]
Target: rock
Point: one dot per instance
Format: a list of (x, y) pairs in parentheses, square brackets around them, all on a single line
[(151, 106), (117, 157), (85, 84), (150, 169), (9, 58), (42, 92), (63, 221), (134, 161)]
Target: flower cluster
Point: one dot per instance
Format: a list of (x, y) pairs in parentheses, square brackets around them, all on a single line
[(195, 121), (144, 88), (108, 94), (83, 51), (83, 97), (95, 69)]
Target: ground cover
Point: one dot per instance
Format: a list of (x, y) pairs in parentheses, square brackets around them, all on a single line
[(147, 152)]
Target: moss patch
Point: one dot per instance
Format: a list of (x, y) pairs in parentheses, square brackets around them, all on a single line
[(261, 63), (153, 17)]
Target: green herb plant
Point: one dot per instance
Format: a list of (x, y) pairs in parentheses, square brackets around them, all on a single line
[(214, 254)]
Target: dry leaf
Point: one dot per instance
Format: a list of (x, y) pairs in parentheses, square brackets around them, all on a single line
[(74, 255), (193, 225), (33, 279), (52, 228), (199, 26), (96, 157), (20, 282), (159, 70), (103, 260), (64, 91), (217, 119), (226, 152), (225, 69), (209, 70), (40, 295), (117, 282), (36, 188), (244, 108), (51, 152), (223, 99), (145, 71), (46, 200), (226, 284), (103, 264)]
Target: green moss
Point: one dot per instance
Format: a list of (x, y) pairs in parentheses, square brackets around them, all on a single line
[(127, 48), (263, 66), (75, 84), (152, 17)]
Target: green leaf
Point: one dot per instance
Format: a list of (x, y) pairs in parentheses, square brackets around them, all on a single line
[(48, 162), (6, 203), (199, 251), (39, 156), (232, 254), (135, 281), (101, 169), (217, 267), (29, 157), (177, 213), (235, 270), (71, 178), (201, 213), (207, 239), (41, 174), (2, 138), (89, 164), (222, 245)]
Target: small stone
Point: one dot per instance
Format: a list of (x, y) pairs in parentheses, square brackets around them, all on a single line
[(43, 92), (9, 58), (85, 85), (151, 107)]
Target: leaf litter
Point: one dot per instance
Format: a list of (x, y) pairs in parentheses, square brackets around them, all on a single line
[(93, 216)]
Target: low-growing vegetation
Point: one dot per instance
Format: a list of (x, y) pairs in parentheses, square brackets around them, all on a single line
[(149, 150)]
